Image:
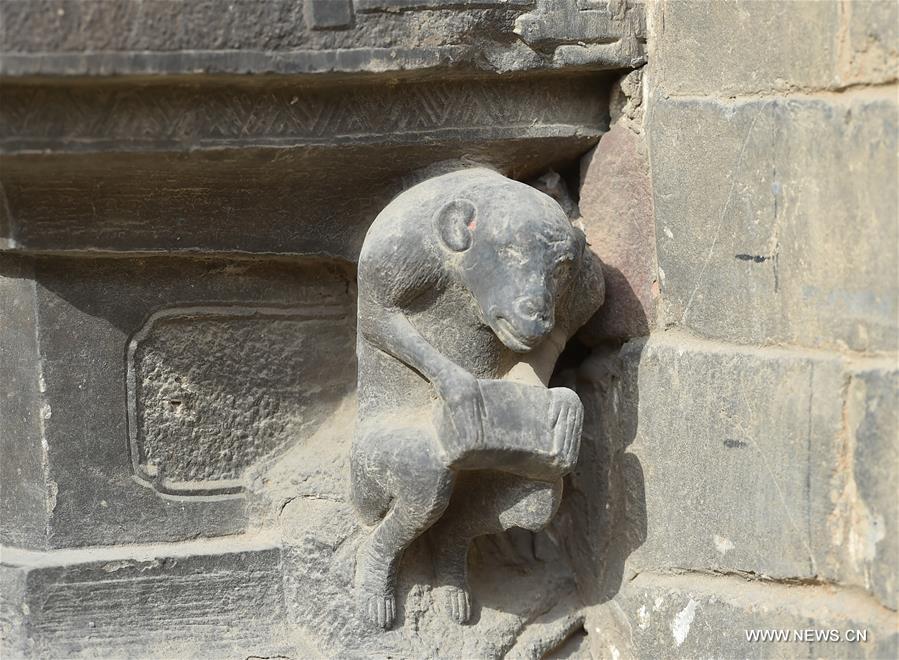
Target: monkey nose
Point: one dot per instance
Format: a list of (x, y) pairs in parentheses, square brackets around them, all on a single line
[(535, 308)]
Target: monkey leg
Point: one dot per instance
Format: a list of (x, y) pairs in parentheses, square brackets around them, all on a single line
[(406, 462), (484, 503), (368, 493)]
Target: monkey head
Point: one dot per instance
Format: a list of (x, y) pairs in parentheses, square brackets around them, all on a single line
[(516, 252)]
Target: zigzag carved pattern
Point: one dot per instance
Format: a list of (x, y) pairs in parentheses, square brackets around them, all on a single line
[(176, 114)]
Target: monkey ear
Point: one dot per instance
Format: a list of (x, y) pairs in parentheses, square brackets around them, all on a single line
[(454, 224)]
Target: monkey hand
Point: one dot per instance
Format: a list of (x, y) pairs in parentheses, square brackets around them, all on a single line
[(464, 406)]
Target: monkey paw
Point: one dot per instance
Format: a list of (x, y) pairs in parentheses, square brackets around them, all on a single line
[(375, 598), (457, 603), (567, 421), (379, 611)]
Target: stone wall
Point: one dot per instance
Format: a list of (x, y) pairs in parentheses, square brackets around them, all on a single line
[(748, 454), (184, 189)]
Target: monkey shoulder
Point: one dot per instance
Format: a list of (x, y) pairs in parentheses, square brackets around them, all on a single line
[(399, 259), (585, 294)]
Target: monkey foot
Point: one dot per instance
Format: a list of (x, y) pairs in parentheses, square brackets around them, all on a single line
[(378, 610), (376, 604), (375, 598), (457, 603)]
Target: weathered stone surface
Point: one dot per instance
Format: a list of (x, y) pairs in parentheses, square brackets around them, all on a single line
[(65, 37), (767, 448), (699, 616), (198, 599), (765, 210), (92, 497), (213, 391), (733, 48), (767, 444), (265, 167), (869, 42), (616, 209), (25, 496), (13, 641), (866, 518), (586, 33), (782, 493)]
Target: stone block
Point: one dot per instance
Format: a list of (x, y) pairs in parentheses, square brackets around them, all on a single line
[(206, 599), (737, 449), (700, 616), (785, 472), (866, 518), (25, 496), (328, 14), (771, 217), (743, 47), (869, 42), (616, 209), (203, 334)]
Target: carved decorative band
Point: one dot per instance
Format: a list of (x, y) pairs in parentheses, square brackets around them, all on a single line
[(117, 115)]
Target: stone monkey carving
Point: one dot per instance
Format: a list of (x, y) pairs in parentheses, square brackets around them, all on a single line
[(470, 284)]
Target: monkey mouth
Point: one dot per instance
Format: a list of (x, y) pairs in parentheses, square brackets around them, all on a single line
[(510, 338)]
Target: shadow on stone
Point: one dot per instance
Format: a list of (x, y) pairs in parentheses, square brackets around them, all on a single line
[(602, 518)]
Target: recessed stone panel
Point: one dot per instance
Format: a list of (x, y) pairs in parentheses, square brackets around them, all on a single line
[(215, 390), (86, 314)]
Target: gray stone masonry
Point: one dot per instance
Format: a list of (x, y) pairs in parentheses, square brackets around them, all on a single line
[(740, 458), (185, 189)]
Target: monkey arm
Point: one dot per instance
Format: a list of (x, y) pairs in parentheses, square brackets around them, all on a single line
[(394, 334)]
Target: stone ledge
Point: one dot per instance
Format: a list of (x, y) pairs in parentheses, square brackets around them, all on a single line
[(231, 112), (201, 598), (262, 165), (71, 37)]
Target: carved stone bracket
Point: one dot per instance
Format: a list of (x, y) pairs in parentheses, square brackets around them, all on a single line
[(469, 286)]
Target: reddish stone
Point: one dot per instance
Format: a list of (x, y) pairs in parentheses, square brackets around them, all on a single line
[(616, 208)]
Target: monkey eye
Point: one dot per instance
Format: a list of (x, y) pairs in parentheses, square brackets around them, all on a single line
[(563, 267)]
